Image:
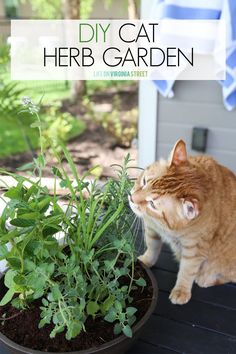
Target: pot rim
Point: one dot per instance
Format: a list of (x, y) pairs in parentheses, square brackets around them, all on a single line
[(104, 346)]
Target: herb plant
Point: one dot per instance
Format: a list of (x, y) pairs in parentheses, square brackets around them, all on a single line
[(74, 257)]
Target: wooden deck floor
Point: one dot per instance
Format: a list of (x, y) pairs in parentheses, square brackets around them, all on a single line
[(206, 325)]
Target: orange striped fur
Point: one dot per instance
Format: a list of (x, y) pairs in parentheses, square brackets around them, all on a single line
[(190, 203)]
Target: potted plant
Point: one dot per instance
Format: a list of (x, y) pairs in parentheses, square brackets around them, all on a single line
[(72, 282)]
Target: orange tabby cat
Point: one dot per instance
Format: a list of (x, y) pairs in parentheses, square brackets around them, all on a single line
[(190, 203)]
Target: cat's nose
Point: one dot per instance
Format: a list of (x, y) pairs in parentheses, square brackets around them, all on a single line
[(138, 197), (130, 198)]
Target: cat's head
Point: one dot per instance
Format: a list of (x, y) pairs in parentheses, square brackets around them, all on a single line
[(171, 192)]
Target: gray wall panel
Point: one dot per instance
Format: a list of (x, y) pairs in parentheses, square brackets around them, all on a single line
[(198, 91), (218, 139), (197, 104), (201, 114)]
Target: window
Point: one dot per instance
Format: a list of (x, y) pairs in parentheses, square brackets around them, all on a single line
[(11, 8)]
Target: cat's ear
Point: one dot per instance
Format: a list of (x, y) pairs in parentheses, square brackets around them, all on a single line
[(190, 208), (178, 154)]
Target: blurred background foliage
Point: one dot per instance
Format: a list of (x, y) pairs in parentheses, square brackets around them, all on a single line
[(121, 125), (54, 9), (60, 122)]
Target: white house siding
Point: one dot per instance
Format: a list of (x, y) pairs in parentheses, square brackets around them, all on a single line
[(197, 104), (148, 103)]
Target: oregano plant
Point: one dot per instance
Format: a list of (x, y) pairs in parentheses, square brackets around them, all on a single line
[(75, 255)]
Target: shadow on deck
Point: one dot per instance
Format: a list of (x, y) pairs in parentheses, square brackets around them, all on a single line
[(206, 325)]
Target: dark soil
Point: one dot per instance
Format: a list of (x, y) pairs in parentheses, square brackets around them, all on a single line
[(22, 328)]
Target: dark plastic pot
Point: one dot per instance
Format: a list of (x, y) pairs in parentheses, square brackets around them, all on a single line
[(120, 345)]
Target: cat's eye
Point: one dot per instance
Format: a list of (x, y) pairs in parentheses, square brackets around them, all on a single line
[(144, 181), (152, 204)]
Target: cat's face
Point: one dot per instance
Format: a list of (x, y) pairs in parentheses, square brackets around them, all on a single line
[(165, 191)]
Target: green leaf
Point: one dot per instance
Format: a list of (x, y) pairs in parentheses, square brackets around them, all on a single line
[(127, 248), (53, 333), (64, 184), (97, 171), (22, 222), (27, 166), (124, 289), (106, 224), (92, 308), (56, 292), (30, 216), (17, 303), (29, 265), (41, 161), (14, 192), (44, 204), (117, 329), (127, 331), (32, 190), (53, 220), (8, 278), (71, 163), (44, 302), (38, 294), (36, 281), (108, 303), (57, 318), (41, 323), (57, 172), (14, 263), (9, 235), (127, 262), (45, 320), (36, 124), (118, 306), (57, 329), (141, 282), (111, 316), (51, 230), (131, 311), (74, 330), (122, 317), (131, 320), (3, 252), (3, 218), (50, 268), (50, 297), (20, 280), (109, 264), (7, 297)]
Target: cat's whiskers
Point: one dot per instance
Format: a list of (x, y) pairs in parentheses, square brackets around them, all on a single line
[(135, 229)]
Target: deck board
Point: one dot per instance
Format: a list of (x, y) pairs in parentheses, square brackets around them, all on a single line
[(198, 314), (206, 325), (141, 347), (224, 295), (167, 262), (187, 339)]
